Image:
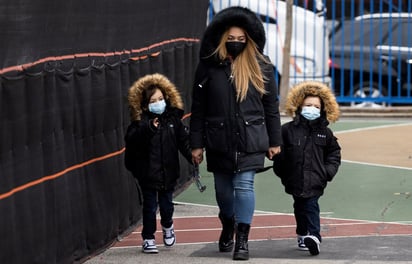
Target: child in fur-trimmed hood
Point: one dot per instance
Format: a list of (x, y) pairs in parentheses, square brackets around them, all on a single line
[(154, 138), (310, 156)]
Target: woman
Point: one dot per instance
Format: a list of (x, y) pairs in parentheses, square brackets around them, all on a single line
[(235, 117)]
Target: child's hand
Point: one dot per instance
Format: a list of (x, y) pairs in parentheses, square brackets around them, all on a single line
[(156, 122), (197, 155), (273, 151)]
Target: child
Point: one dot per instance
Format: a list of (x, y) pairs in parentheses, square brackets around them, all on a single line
[(154, 138), (310, 156)]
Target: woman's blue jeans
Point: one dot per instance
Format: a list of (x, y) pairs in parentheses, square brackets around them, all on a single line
[(307, 215), (235, 195), (151, 200)]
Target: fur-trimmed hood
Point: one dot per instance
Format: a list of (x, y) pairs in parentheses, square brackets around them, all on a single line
[(232, 16), (172, 96), (299, 92)]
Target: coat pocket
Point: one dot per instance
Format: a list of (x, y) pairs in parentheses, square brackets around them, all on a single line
[(216, 135), (257, 139)]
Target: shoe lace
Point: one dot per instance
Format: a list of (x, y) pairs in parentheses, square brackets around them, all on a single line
[(169, 232), (149, 243)]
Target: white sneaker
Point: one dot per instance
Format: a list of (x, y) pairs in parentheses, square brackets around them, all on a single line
[(301, 243), (169, 238), (312, 243), (149, 246)]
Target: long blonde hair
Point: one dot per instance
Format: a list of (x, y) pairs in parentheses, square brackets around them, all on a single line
[(245, 68)]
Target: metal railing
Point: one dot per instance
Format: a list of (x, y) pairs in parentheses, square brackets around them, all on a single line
[(364, 54), (371, 53)]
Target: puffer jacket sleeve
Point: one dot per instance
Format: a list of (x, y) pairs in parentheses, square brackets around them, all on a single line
[(332, 156), (271, 107), (278, 165), (137, 138), (198, 108), (183, 141), (279, 161)]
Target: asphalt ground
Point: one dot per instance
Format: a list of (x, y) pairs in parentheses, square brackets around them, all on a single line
[(271, 241)]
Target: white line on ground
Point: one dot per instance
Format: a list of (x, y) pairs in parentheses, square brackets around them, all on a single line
[(377, 165)]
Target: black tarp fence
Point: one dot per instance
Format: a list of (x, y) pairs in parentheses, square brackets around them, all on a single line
[(65, 69)]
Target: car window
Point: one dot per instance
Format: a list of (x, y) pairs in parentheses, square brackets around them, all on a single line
[(399, 36), (362, 33)]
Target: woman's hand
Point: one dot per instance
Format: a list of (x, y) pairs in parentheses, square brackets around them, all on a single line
[(273, 151), (197, 155)]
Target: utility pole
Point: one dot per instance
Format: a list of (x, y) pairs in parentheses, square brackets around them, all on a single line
[(284, 81)]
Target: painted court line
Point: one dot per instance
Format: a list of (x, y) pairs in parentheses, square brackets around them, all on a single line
[(371, 128), (206, 229), (276, 226), (376, 165)]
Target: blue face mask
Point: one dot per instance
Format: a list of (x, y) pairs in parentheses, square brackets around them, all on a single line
[(158, 107), (310, 112)]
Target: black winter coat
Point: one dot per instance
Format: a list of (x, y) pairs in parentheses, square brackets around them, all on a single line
[(236, 135), (152, 154), (310, 157)]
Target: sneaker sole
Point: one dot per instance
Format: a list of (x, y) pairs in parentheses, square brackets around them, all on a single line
[(169, 244), (312, 246), (151, 251)]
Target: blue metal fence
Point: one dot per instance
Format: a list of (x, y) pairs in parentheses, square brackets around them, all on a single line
[(371, 52), (309, 54), (362, 48)]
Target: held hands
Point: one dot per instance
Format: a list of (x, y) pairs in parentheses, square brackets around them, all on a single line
[(197, 155), (273, 151)]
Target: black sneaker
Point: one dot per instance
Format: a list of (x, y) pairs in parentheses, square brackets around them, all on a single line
[(312, 243)]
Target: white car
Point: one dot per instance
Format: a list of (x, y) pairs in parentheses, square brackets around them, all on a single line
[(309, 55)]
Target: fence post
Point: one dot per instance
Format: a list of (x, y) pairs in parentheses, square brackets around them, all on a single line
[(284, 81)]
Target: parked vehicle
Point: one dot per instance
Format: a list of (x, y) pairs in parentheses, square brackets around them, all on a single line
[(371, 59), (309, 55)]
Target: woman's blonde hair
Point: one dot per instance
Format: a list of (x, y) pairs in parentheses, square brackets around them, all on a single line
[(245, 67)]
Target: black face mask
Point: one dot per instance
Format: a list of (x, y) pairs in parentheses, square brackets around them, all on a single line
[(234, 48)]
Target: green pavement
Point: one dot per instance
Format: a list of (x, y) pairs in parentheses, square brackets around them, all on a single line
[(359, 191)]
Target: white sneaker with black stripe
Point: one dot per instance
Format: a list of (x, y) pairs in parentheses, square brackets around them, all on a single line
[(149, 246), (169, 238), (301, 243)]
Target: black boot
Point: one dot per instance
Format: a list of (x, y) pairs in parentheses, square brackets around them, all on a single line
[(226, 237), (241, 246)]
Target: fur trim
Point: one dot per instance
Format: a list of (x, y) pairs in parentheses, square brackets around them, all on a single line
[(172, 95), (312, 88), (229, 17)]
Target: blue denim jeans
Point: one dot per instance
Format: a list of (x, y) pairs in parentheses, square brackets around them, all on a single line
[(151, 199), (307, 215), (235, 195)]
